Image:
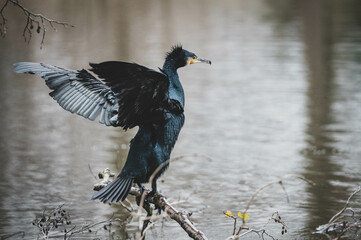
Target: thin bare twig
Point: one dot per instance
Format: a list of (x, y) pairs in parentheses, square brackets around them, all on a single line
[(59, 218), (3, 26), (340, 224), (91, 172), (31, 19), (146, 229), (279, 181), (262, 231), (334, 218), (234, 222), (191, 155)]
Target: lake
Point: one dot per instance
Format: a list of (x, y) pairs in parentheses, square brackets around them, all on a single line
[(282, 96)]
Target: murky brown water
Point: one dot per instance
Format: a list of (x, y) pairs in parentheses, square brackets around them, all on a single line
[(282, 97)]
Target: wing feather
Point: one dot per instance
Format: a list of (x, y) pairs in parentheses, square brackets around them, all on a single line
[(142, 93), (129, 94), (76, 91)]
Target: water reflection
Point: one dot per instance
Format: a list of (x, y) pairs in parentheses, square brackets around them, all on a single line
[(282, 97), (322, 165), (318, 40)]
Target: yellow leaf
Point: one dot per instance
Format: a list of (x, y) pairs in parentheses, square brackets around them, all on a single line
[(243, 216), (229, 214)]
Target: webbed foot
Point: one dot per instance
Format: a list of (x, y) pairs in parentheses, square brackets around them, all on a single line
[(150, 195)]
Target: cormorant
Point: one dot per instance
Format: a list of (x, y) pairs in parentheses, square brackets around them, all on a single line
[(128, 95)]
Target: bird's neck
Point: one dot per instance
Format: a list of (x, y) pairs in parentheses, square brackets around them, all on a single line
[(175, 87)]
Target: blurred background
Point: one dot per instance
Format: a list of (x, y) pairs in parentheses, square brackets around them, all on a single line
[(282, 96)]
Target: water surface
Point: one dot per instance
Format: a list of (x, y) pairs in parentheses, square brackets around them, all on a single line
[(282, 97)]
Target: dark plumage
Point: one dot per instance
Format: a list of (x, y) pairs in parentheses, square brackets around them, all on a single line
[(129, 95)]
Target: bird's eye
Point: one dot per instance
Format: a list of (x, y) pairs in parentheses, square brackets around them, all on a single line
[(194, 57)]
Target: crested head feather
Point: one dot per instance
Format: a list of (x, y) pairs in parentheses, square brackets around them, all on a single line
[(175, 50)]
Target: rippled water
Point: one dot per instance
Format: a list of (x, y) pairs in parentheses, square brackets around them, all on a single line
[(282, 97)]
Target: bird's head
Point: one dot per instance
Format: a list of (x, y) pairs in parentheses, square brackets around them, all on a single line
[(181, 57)]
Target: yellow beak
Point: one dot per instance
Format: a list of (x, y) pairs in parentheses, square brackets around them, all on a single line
[(199, 60)]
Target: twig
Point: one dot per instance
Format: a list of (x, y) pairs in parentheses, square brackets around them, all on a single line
[(279, 181), (91, 172), (128, 208), (262, 231), (334, 218), (31, 20), (3, 25), (234, 223), (191, 155), (145, 230), (89, 226), (338, 224), (47, 221)]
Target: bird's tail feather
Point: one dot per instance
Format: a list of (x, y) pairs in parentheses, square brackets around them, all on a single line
[(115, 191)]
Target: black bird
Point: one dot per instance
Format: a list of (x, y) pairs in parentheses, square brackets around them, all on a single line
[(128, 95)]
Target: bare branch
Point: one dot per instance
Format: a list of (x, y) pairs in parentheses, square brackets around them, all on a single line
[(279, 181), (340, 224), (3, 26), (234, 222), (160, 202), (91, 172), (56, 223), (191, 155), (31, 19), (262, 231), (333, 219)]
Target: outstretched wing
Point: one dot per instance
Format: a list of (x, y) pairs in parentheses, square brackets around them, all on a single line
[(76, 91), (132, 95), (142, 93)]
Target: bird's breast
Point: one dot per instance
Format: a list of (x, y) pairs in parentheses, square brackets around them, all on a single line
[(168, 133)]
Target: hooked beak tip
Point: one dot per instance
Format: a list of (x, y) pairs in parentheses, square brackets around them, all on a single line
[(206, 61)]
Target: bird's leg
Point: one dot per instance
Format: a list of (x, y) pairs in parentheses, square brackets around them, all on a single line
[(141, 188), (154, 188), (146, 206)]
